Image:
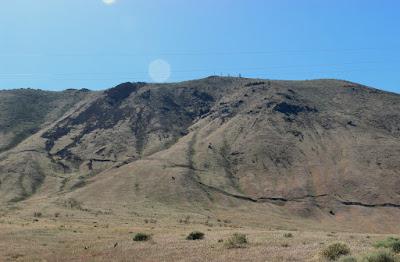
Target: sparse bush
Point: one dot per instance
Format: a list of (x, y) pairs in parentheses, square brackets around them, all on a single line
[(141, 237), (381, 256), (335, 250), (348, 259), (388, 242), (396, 247), (288, 235), (195, 235), (237, 240), (391, 242)]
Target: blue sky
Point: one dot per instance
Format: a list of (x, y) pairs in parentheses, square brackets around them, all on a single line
[(58, 44)]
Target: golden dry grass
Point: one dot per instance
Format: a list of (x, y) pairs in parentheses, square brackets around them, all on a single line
[(91, 238)]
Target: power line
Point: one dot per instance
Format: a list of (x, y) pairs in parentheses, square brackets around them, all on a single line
[(203, 53), (61, 76)]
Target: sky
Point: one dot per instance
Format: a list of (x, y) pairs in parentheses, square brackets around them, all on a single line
[(97, 44)]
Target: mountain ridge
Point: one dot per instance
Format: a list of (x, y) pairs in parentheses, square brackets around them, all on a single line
[(311, 148)]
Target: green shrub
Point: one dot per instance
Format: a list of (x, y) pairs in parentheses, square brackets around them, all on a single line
[(348, 259), (237, 240), (288, 235), (195, 235), (387, 243), (381, 256), (396, 247), (141, 237), (335, 250)]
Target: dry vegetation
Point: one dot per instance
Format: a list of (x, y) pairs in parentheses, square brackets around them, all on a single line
[(72, 235)]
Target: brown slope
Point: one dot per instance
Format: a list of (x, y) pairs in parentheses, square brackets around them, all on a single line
[(25, 114), (309, 146), (293, 140), (308, 156), (110, 128)]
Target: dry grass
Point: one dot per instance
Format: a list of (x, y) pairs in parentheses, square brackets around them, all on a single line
[(107, 238)]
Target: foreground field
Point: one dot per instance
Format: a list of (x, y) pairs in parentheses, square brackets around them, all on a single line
[(70, 238)]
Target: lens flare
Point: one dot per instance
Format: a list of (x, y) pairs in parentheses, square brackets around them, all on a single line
[(159, 70)]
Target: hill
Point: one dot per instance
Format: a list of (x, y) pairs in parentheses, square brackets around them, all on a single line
[(287, 151)]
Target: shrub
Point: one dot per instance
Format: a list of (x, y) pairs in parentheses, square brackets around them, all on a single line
[(388, 242), (141, 237), (37, 214), (288, 235), (195, 235), (335, 250), (237, 240), (381, 256), (348, 259), (396, 247)]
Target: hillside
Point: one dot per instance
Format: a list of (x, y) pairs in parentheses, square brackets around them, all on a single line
[(24, 112), (325, 150)]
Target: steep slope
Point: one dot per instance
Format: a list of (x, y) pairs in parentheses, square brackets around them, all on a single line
[(23, 112), (309, 146), (321, 147)]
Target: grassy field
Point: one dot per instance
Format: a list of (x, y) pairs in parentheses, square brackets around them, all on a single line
[(65, 237), (294, 166)]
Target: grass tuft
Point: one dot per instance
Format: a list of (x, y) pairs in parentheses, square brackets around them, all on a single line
[(237, 240), (335, 251), (381, 256)]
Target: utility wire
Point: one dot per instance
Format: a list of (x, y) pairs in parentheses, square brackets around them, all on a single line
[(61, 76), (204, 53)]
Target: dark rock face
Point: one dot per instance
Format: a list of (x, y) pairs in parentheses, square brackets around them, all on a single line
[(143, 110), (117, 94), (291, 109)]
